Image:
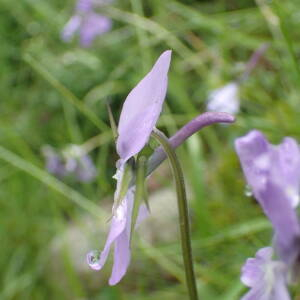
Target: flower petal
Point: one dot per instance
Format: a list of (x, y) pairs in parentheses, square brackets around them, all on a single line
[(121, 258), (288, 168), (284, 220), (118, 225), (266, 278), (85, 170), (92, 26), (252, 272), (253, 151), (142, 108), (71, 27), (122, 245), (84, 6)]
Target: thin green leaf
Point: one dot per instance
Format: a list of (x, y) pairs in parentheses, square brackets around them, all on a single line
[(112, 121), (139, 190)]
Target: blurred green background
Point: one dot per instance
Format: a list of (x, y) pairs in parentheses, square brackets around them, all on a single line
[(55, 93)]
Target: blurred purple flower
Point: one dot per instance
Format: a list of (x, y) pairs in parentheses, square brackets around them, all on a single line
[(53, 162), (71, 162), (139, 114), (79, 164), (87, 22), (265, 278), (273, 174), (81, 167), (225, 99)]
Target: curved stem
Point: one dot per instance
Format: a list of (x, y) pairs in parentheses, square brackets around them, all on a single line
[(185, 132), (183, 213)]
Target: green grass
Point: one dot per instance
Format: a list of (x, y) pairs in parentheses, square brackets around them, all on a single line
[(56, 93)]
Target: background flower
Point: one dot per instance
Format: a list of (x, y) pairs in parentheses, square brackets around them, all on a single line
[(225, 99), (87, 22), (265, 277)]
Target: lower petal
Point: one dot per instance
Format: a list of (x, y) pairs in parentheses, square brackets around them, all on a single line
[(118, 225), (121, 258)]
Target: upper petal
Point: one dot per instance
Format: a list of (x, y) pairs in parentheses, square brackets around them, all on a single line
[(142, 108), (254, 153), (262, 162)]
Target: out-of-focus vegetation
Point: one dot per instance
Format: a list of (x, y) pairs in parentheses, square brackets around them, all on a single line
[(56, 93)]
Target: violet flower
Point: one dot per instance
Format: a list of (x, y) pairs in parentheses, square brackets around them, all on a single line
[(71, 162), (265, 278), (79, 164), (88, 23), (273, 174), (53, 162), (139, 115)]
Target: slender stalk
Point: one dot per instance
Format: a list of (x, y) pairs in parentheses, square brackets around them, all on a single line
[(183, 213), (253, 61), (112, 122), (203, 120)]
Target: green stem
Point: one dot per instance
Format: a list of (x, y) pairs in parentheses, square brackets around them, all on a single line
[(183, 213)]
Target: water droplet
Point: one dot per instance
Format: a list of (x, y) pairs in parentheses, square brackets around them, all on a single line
[(248, 191), (93, 259)]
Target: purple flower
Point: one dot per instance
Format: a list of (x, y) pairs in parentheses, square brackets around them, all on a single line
[(225, 99), (87, 22), (273, 173), (72, 161), (53, 162), (79, 164), (140, 112), (139, 115), (81, 167), (265, 278)]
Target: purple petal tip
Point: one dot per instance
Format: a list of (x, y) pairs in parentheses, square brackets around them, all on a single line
[(217, 117)]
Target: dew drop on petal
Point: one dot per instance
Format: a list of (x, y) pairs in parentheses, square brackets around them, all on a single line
[(248, 191), (93, 258)]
